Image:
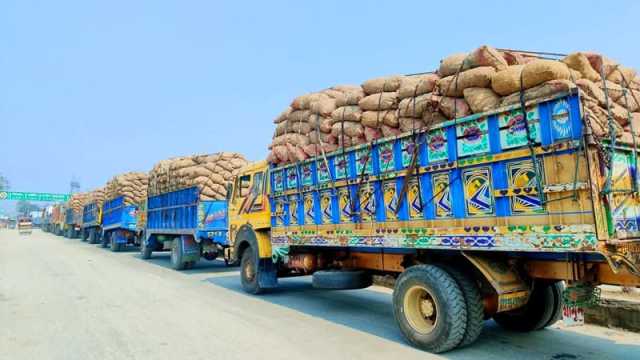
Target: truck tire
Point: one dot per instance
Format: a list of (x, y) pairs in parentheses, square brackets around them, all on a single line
[(341, 280), (115, 247), (84, 235), (535, 315), (249, 271), (177, 262), (92, 236), (105, 240), (67, 234), (145, 250), (557, 289), (430, 308), (473, 300)]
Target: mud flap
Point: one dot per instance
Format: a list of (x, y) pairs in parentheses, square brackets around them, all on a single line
[(190, 248), (268, 275)]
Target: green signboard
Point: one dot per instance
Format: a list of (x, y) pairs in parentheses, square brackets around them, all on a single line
[(33, 196)]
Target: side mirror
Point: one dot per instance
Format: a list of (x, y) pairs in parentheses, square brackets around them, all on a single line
[(229, 191)]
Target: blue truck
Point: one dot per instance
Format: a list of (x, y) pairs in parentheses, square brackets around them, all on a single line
[(189, 227), (120, 224), (91, 222), (72, 221)]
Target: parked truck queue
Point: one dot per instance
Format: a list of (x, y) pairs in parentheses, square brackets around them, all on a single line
[(502, 186)]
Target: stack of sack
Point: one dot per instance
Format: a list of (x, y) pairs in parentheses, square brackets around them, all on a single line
[(464, 84), (210, 173), (95, 196), (76, 202), (132, 186)]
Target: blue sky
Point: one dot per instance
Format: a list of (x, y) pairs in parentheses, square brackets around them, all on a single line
[(89, 89)]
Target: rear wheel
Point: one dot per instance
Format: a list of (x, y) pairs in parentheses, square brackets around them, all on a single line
[(145, 250), (430, 308), (105, 240), (536, 314), (249, 271), (115, 246), (85, 236), (177, 261), (92, 236), (473, 300)]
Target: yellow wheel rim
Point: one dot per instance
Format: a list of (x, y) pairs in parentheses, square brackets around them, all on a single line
[(421, 310)]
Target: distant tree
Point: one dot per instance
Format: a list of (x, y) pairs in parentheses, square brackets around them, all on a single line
[(4, 183), (25, 207)]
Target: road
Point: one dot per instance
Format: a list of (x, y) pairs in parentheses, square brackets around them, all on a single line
[(64, 299)]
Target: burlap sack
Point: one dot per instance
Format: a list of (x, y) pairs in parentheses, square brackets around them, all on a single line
[(579, 62), (379, 101), (540, 71), (317, 138), (314, 149), (300, 127), (382, 84), (371, 134), (352, 129), (290, 138), (323, 107), (410, 124), (481, 99), (346, 113), (484, 56), (613, 90), (303, 102), (631, 101), (592, 90), (451, 64), (622, 75), (296, 153), (507, 81), (601, 64), (347, 95), (412, 86), (414, 106), (321, 123), (454, 85), (388, 131), (541, 91), (375, 119), (452, 108), (283, 115), (433, 117), (299, 115)]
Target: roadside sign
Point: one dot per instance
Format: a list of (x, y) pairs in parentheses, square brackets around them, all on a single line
[(33, 196)]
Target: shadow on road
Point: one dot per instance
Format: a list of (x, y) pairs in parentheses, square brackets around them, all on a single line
[(163, 259), (371, 312)]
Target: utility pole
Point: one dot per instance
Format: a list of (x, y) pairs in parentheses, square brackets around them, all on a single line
[(74, 186)]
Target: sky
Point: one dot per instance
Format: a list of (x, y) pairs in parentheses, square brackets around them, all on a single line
[(91, 89)]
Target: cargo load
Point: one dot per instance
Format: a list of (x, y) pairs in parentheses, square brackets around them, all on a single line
[(92, 215), (73, 215), (482, 80), (210, 173), (132, 186)]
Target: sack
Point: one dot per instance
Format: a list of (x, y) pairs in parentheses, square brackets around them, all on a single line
[(348, 96), (283, 115), (351, 129), (452, 108), (484, 56), (601, 63), (299, 127), (410, 124), (544, 90), (540, 71), (591, 90), (622, 75), (412, 86), (454, 85), (371, 134), (507, 81), (346, 113), (323, 107), (380, 101), (299, 115), (451, 64), (614, 91), (382, 84), (481, 99), (375, 119), (579, 62), (414, 106), (388, 131), (431, 118), (303, 102)]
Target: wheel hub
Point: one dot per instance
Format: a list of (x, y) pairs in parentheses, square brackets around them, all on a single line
[(427, 308), (420, 309)]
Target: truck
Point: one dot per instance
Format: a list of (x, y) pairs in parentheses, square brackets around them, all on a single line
[(191, 228), (120, 224), (58, 219), (72, 223), (91, 222), (25, 225), (46, 218), (516, 214)]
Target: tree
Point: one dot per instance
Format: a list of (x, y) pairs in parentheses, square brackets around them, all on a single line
[(25, 207)]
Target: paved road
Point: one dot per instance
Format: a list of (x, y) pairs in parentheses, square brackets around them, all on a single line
[(64, 299)]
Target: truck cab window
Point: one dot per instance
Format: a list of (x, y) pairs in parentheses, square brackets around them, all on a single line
[(244, 182)]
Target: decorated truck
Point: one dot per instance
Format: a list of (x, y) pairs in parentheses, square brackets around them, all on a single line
[(494, 215), (58, 219), (122, 224), (91, 222), (191, 228)]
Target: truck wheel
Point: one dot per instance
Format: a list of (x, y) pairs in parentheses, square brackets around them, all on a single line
[(105, 240), (115, 246), (473, 300), (341, 280), (430, 308), (249, 271), (92, 236), (176, 255), (557, 289), (84, 235), (145, 250), (535, 315)]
